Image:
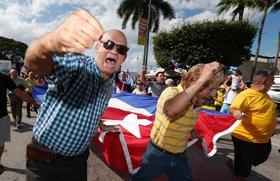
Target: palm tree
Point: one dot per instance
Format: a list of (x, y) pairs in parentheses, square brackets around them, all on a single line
[(238, 5), (138, 9), (266, 5), (276, 7)]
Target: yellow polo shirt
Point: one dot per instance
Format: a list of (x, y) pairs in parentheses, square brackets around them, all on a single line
[(259, 121), (171, 133)]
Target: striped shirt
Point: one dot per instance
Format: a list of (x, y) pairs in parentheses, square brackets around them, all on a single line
[(172, 134), (74, 102)]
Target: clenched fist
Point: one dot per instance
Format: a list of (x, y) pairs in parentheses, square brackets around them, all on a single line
[(76, 34)]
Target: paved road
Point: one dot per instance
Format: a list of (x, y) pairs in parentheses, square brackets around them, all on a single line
[(203, 168)]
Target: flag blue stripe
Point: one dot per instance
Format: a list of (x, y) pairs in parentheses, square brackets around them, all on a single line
[(138, 101)]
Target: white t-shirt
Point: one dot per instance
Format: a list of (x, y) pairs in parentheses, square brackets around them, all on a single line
[(235, 82), (230, 96), (136, 91)]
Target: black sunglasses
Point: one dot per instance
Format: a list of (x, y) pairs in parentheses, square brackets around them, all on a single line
[(121, 49)]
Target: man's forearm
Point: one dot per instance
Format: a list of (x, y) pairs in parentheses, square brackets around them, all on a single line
[(38, 56), (180, 102), (24, 96), (236, 113)]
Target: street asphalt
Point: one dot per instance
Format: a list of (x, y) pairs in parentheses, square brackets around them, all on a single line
[(203, 168)]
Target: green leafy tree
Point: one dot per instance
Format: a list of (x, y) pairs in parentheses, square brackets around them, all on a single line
[(138, 9), (203, 42), (12, 50)]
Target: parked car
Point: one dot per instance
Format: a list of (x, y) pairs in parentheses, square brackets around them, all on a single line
[(274, 91)]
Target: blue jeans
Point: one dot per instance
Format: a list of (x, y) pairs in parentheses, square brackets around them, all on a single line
[(156, 162)]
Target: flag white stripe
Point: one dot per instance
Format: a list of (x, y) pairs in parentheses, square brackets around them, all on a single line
[(117, 103)]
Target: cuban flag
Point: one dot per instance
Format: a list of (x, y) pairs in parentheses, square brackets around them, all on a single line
[(211, 125), (38, 93), (135, 115)]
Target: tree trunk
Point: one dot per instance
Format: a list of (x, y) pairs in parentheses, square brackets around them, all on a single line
[(277, 55), (241, 12), (267, 4)]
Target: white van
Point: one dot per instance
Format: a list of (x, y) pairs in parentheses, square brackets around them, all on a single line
[(274, 91)]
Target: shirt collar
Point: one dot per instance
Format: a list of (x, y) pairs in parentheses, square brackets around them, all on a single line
[(180, 88)]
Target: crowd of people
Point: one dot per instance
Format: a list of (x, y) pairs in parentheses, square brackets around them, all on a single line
[(141, 85), (81, 89)]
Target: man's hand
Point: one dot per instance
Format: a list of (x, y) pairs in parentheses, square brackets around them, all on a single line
[(238, 114), (142, 75), (77, 33), (196, 135), (209, 71), (110, 128), (144, 69)]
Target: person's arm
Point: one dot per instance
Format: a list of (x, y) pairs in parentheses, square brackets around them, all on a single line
[(142, 75), (242, 84), (226, 81), (236, 113), (181, 101), (24, 96), (77, 33), (196, 135), (111, 128), (26, 84)]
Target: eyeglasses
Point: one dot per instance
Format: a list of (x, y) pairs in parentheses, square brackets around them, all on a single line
[(121, 49)]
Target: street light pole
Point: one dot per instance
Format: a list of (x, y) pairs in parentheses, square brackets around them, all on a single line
[(146, 48)]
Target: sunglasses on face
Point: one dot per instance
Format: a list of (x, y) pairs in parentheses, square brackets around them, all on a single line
[(121, 49)]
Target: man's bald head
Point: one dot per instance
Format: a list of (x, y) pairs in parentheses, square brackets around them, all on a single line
[(114, 34), (111, 51), (13, 72)]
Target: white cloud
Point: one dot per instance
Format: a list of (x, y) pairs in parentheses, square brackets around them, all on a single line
[(25, 20), (26, 17), (194, 4), (205, 15)]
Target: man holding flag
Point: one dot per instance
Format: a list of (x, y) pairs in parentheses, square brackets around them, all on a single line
[(251, 138), (175, 118)]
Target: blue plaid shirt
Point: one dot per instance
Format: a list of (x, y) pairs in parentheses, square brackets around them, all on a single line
[(73, 105)]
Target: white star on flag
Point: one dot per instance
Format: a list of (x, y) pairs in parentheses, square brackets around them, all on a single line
[(130, 123)]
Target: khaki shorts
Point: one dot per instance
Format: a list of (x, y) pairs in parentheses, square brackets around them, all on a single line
[(5, 133)]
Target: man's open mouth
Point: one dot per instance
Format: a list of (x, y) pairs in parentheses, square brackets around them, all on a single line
[(110, 60)]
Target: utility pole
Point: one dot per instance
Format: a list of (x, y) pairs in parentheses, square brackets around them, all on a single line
[(146, 48), (277, 54)]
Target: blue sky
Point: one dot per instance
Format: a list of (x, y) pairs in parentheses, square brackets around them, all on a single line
[(270, 35), (25, 20)]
